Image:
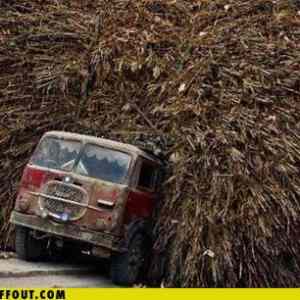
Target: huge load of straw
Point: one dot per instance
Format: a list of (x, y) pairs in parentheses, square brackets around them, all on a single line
[(218, 79)]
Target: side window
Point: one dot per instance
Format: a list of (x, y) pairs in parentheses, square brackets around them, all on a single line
[(148, 174)]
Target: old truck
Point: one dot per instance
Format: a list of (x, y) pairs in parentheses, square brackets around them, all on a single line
[(89, 194)]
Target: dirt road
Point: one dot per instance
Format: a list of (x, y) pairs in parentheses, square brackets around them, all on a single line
[(18, 273)]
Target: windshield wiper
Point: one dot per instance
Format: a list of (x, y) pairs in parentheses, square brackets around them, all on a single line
[(68, 165)]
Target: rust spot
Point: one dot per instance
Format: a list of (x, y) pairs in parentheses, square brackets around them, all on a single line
[(106, 192)]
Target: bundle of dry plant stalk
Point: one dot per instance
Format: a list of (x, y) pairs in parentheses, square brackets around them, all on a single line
[(220, 79)]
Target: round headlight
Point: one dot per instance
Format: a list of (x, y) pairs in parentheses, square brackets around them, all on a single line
[(23, 204)]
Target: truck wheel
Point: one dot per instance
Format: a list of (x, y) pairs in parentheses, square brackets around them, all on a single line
[(27, 247), (126, 267)]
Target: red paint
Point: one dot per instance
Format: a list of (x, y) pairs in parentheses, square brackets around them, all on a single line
[(139, 205), (32, 177)]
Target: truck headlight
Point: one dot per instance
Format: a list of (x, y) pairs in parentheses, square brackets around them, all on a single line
[(23, 204)]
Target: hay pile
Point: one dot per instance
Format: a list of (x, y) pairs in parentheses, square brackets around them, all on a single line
[(218, 79)]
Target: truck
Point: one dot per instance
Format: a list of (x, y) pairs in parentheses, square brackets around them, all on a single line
[(88, 194)]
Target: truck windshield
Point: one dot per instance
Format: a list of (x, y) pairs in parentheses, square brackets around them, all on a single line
[(103, 163), (94, 161), (56, 153)]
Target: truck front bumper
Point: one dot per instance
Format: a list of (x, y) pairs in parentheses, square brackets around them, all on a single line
[(67, 230)]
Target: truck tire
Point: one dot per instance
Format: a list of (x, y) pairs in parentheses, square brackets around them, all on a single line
[(27, 247), (126, 267)]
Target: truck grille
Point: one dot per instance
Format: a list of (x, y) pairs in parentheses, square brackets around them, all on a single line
[(68, 192)]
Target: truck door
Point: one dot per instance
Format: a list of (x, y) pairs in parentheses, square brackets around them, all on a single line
[(143, 195)]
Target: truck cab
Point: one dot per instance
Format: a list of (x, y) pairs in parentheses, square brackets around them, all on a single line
[(91, 194)]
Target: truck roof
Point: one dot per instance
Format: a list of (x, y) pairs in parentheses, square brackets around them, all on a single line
[(103, 142)]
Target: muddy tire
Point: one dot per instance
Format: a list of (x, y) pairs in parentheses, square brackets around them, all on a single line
[(126, 267), (27, 247)]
